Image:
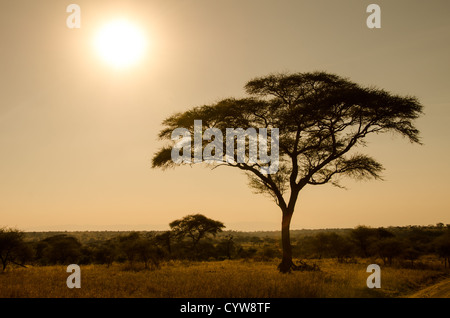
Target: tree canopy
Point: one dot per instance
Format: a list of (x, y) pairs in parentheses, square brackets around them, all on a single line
[(195, 227), (13, 249)]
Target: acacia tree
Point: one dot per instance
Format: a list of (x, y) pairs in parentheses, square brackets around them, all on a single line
[(195, 227), (59, 249), (13, 249), (322, 120)]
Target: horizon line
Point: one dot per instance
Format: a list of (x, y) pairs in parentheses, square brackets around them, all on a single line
[(159, 227)]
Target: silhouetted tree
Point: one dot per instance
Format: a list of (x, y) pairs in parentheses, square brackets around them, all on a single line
[(363, 237), (332, 245), (322, 118), (13, 249), (59, 249), (127, 244), (164, 240), (389, 248), (106, 252), (148, 252), (226, 247), (411, 254), (229, 244), (195, 227), (422, 238), (324, 243), (137, 247), (443, 247), (87, 254), (382, 233)]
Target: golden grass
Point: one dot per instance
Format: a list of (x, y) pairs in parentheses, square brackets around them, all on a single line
[(224, 279)]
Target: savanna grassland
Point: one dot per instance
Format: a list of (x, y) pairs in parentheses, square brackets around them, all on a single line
[(216, 279), (224, 264)]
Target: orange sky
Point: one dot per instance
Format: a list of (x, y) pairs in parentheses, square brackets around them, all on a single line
[(77, 136)]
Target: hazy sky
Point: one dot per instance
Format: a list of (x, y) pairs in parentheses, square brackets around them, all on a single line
[(77, 135)]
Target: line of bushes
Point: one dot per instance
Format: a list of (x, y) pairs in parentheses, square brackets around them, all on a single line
[(150, 248), (407, 244)]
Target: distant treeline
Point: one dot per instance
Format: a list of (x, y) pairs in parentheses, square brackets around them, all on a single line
[(393, 245)]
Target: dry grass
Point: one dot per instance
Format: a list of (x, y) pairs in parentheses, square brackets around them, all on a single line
[(225, 279)]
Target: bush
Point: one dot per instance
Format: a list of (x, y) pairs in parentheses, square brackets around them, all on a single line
[(13, 249), (59, 249)]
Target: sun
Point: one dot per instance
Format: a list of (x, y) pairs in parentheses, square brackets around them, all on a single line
[(120, 43)]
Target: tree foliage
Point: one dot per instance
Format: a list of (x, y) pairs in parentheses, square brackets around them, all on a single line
[(405, 247), (195, 227), (59, 249), (321, 117), (137, 247), (13, 249)]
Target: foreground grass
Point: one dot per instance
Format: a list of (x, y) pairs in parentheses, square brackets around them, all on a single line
[(224, 279)]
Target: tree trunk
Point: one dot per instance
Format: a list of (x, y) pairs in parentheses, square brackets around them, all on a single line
[(169, 247), (287, 265), (194, 248), (286, 262), (4, 263)]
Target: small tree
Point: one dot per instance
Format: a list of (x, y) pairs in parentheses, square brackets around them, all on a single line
[(127, 245), (389, 249), (164, 240), (137, 247), (332, 245), (442, 244), (229, 245), (363, 237), (59, 249), (13, 249), (106, 252), (411, 254), (195, 227), (324, 244)]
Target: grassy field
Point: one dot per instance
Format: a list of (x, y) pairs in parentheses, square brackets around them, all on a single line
[(217, 279)]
